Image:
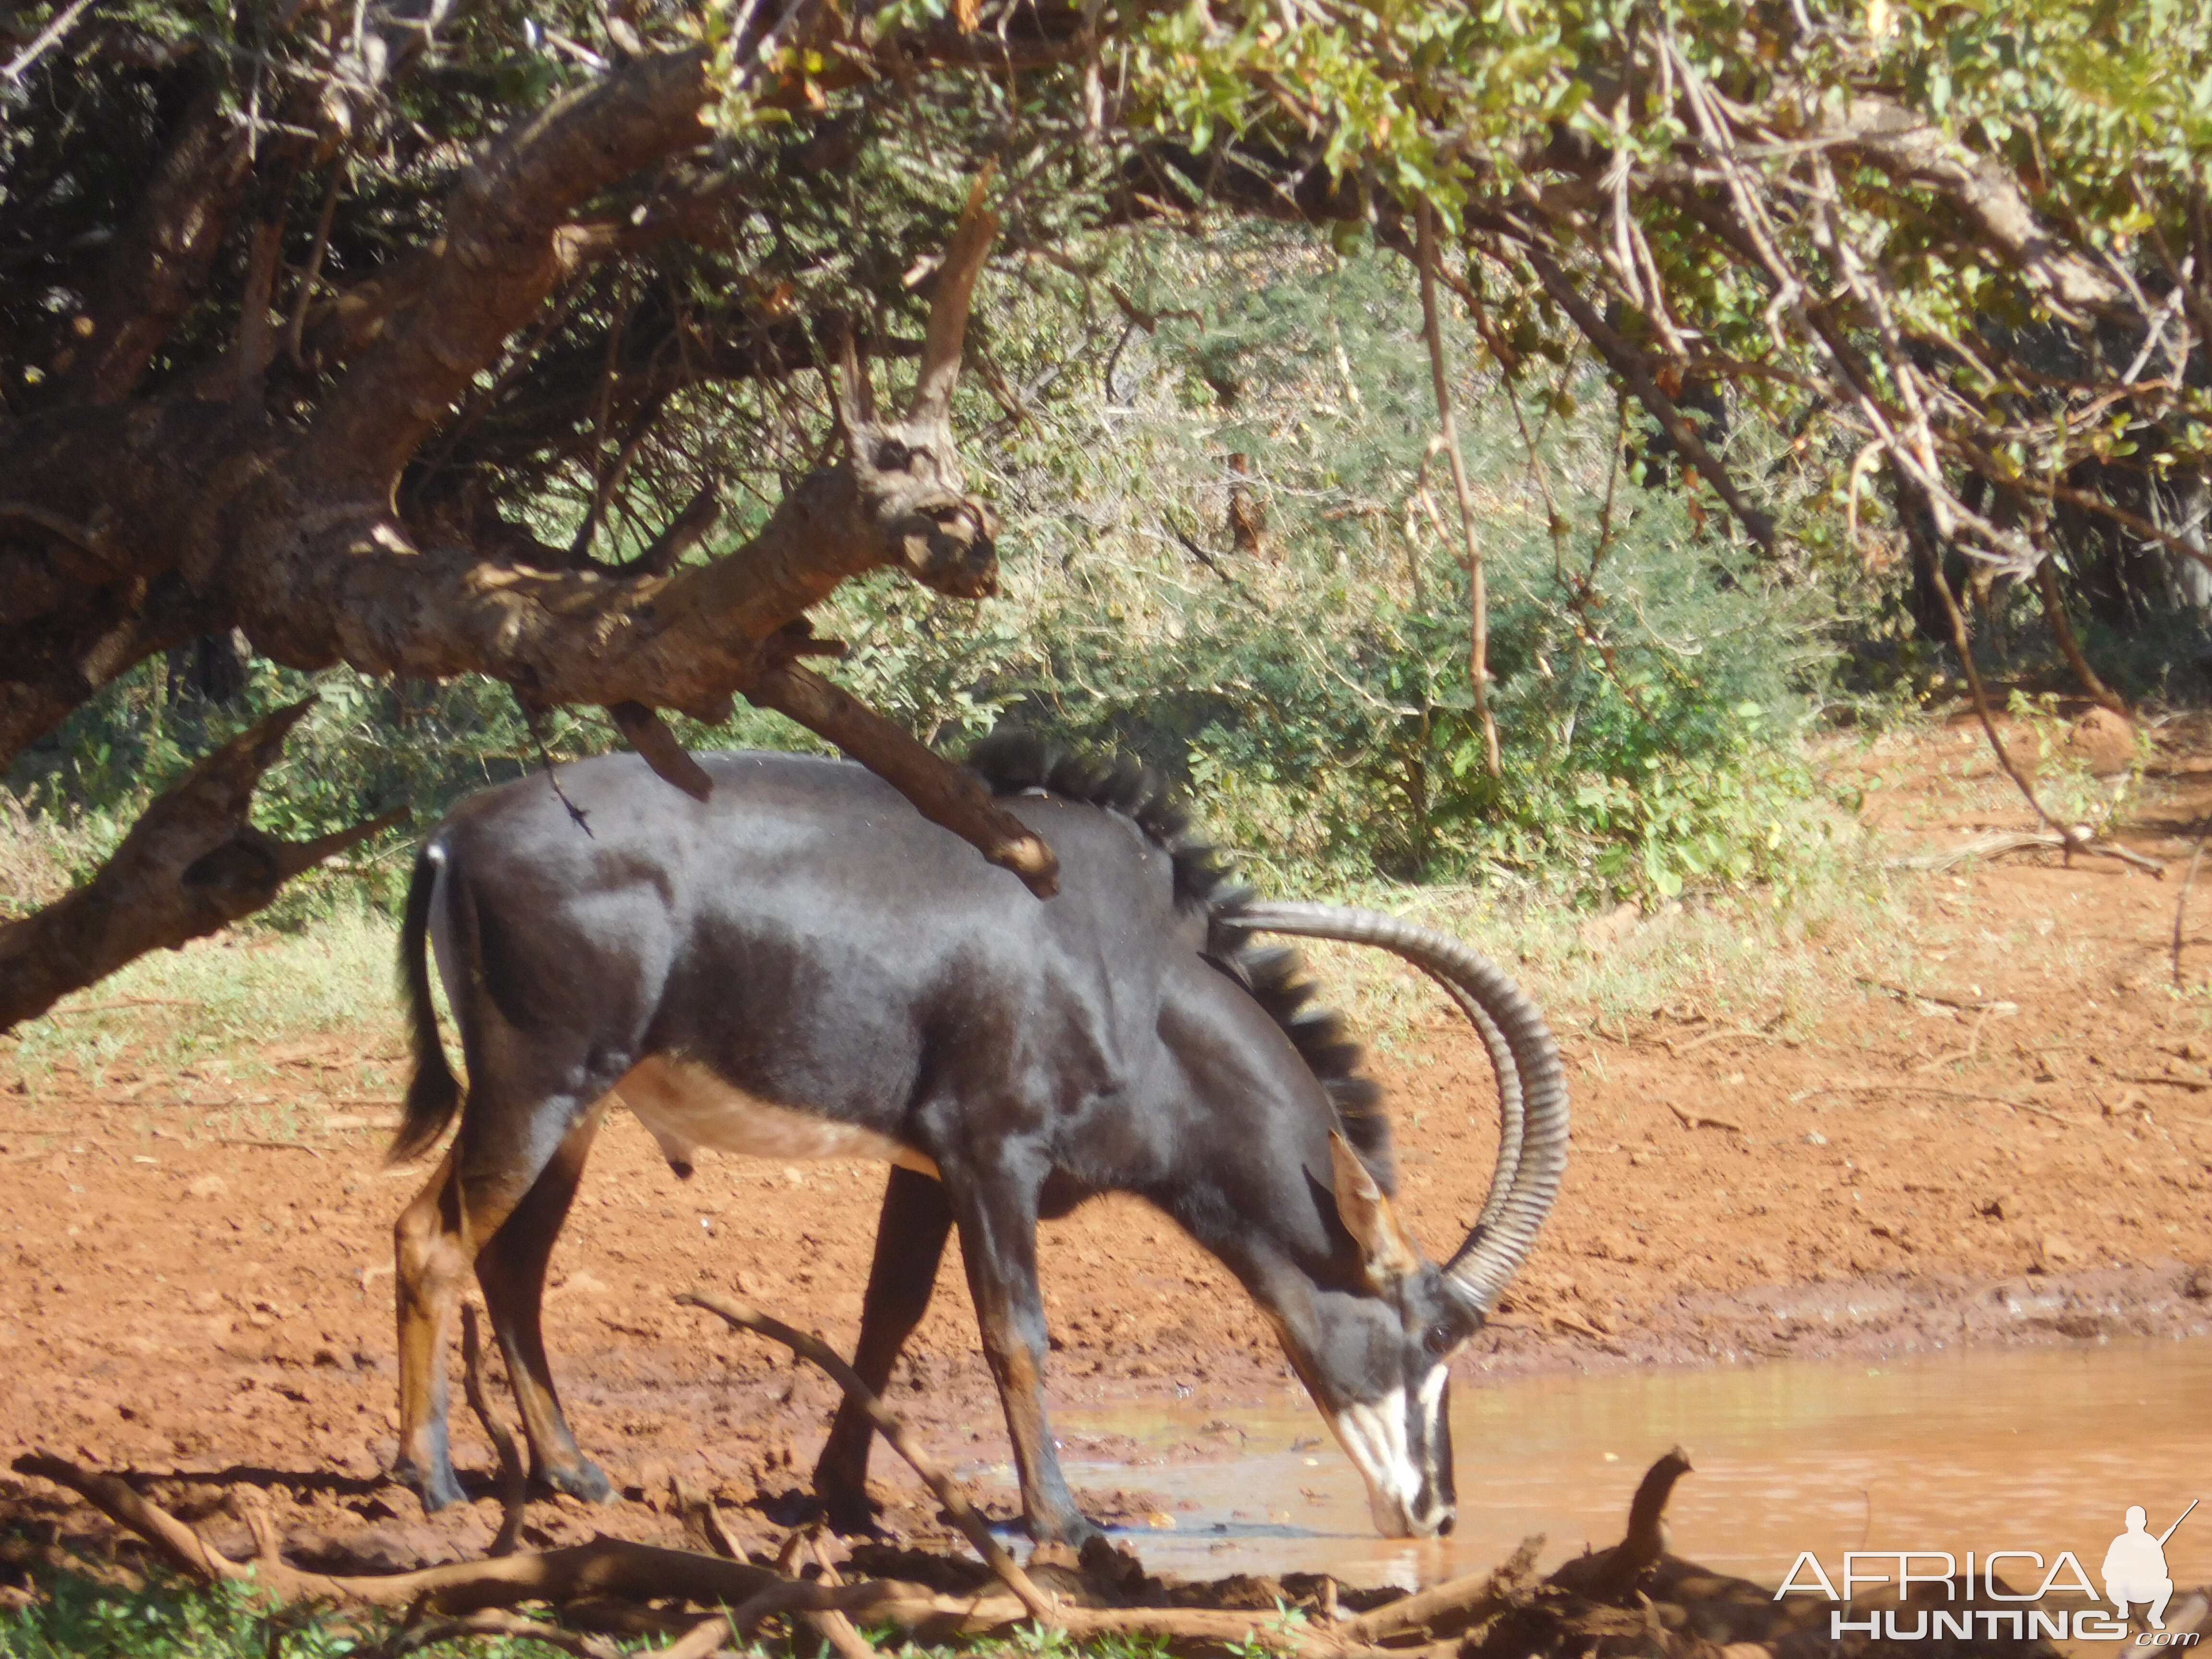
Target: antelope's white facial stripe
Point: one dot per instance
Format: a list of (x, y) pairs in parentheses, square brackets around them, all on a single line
[(1374, 1434), (1432, 1391)]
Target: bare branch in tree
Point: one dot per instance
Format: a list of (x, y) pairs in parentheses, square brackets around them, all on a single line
[(948, 312), (1909, 145), (502, 254), (1628, 362), (657, 745), (1440, 379)]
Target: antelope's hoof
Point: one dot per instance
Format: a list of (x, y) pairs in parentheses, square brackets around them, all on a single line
[(438, 1489), (852, 1515), (581, 1479), (1077, 1533)]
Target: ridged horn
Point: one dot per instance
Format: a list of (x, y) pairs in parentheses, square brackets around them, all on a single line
[(1532, 1084)]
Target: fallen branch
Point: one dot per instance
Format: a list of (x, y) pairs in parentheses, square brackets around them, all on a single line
[(1639, 1551), (834, 1628), (603, 1567), (1450, 1606), (512, 1626), (1227, 1629), (1999, 843), (1998, 1005), (744, 1316)]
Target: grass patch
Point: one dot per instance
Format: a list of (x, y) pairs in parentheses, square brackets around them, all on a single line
[(73, 1616), (205, 1031)]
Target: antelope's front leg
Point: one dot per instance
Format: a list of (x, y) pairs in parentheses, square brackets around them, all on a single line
[(998, 1243), (910, 1243)]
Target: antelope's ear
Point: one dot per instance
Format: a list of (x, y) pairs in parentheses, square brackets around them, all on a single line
[(1368, 1217)]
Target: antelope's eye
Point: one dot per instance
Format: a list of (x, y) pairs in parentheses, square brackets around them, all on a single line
[(1439, 1340)]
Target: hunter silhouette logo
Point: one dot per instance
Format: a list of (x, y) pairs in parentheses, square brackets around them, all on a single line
[(2134, 1566), (2135, 1575)]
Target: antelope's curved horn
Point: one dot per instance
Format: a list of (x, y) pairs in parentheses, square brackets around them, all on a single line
[(1532, 1085)]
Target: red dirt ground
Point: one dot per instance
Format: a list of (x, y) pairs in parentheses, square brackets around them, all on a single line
[(2026, 1158)]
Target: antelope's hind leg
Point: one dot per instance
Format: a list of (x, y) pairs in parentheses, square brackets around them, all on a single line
[(429, 1257), (483, 1179), (910, 1243), (512, 1270)]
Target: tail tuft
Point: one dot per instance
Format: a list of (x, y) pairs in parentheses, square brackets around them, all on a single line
[(435, 1093)]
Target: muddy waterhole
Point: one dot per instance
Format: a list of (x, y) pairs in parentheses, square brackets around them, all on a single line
[(2036, 1450)]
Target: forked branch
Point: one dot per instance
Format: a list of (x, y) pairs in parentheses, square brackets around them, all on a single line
[(193, 864)]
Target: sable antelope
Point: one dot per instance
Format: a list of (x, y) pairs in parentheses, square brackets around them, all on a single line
[(802, 966)]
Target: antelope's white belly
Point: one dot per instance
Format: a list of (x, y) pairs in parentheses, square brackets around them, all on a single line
[(686, 1107)]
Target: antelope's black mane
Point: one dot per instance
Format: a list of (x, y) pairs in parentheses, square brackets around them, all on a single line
[(1010, 763)]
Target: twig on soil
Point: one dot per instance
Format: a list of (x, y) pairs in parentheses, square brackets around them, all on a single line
[(1694, 1120), (1885, 1085), (1676, 1050), (2181, 907), (1991, 1006), (888, 1424), (514, 1483), (2194, 1086), (266, 1145)]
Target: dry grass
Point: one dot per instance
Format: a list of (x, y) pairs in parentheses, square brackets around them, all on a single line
[(37, 857)]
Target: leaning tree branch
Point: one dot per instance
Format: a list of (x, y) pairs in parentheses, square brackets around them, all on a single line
[(1912, 148), (190, 865), (948, 795), (1628, 362)]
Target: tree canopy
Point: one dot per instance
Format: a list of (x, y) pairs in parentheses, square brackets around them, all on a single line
[(541, 343)]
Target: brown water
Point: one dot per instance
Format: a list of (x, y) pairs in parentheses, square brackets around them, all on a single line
[(2002, 1449)]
